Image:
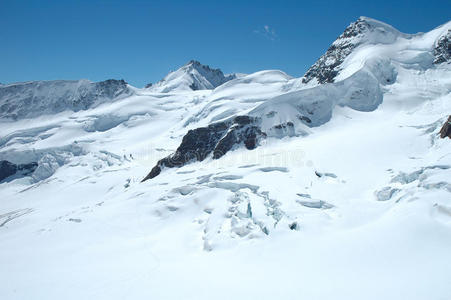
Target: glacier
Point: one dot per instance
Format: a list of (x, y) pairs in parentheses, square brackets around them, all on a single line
[(332, 185)]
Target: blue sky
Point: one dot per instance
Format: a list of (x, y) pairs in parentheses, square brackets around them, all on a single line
[(141, 41)]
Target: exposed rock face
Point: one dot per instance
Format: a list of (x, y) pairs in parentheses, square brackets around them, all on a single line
[(327, 67), (217, 138), (8, 169), (442, 50), (31, 99), (446, 129)]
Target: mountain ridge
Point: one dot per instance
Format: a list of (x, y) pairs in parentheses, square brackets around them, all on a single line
[(33, 98), (191, 76)]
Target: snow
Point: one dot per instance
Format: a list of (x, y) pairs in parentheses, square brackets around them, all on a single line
[(386, 43), (352, 204), (192, 76), (34, 98)]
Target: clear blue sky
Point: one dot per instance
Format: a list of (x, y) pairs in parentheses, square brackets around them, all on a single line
[(140, 41)]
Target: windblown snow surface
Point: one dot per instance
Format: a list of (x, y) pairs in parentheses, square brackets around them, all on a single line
[(347, 197)]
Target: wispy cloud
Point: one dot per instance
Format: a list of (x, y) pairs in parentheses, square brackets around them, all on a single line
[(267, 32)]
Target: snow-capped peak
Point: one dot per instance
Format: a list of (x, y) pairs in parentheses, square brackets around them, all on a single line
[(363, 31), (374, 31), (192, 76)]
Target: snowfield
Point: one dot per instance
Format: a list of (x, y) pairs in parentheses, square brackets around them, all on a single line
[(347, 194)]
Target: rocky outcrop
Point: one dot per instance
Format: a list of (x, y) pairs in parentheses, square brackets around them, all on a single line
[(327, 66), (442, 49), (364, 30), (8, 169), (446, 129), (217, 138), (34, 98)]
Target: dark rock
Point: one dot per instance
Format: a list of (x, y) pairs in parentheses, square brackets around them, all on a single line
[(8, 169), (326, 68), (284, 125), (282, 129), (110, 88), (217, 138), (319, 174), (305, 119), (237, 134), (293, 226), (446, 129), (442, 50), (194, 86)]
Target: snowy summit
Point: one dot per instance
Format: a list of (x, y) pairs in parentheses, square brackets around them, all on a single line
[(192, 76)]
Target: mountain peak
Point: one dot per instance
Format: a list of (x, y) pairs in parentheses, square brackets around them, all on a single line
[(373, 22), (371, 30), (363, 31), (194, 62), (192, 76)]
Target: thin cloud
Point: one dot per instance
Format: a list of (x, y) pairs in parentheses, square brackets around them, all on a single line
[(267, 32)]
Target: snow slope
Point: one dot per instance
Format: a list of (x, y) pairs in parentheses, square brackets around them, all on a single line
[(346, 196), (191, 77), (31, 99)]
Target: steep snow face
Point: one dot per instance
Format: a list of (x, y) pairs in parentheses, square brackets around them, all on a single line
[(290, 113), (446, 129), (31, 99), (368, 40), (239, 96), (363, 31), (191, 77)]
